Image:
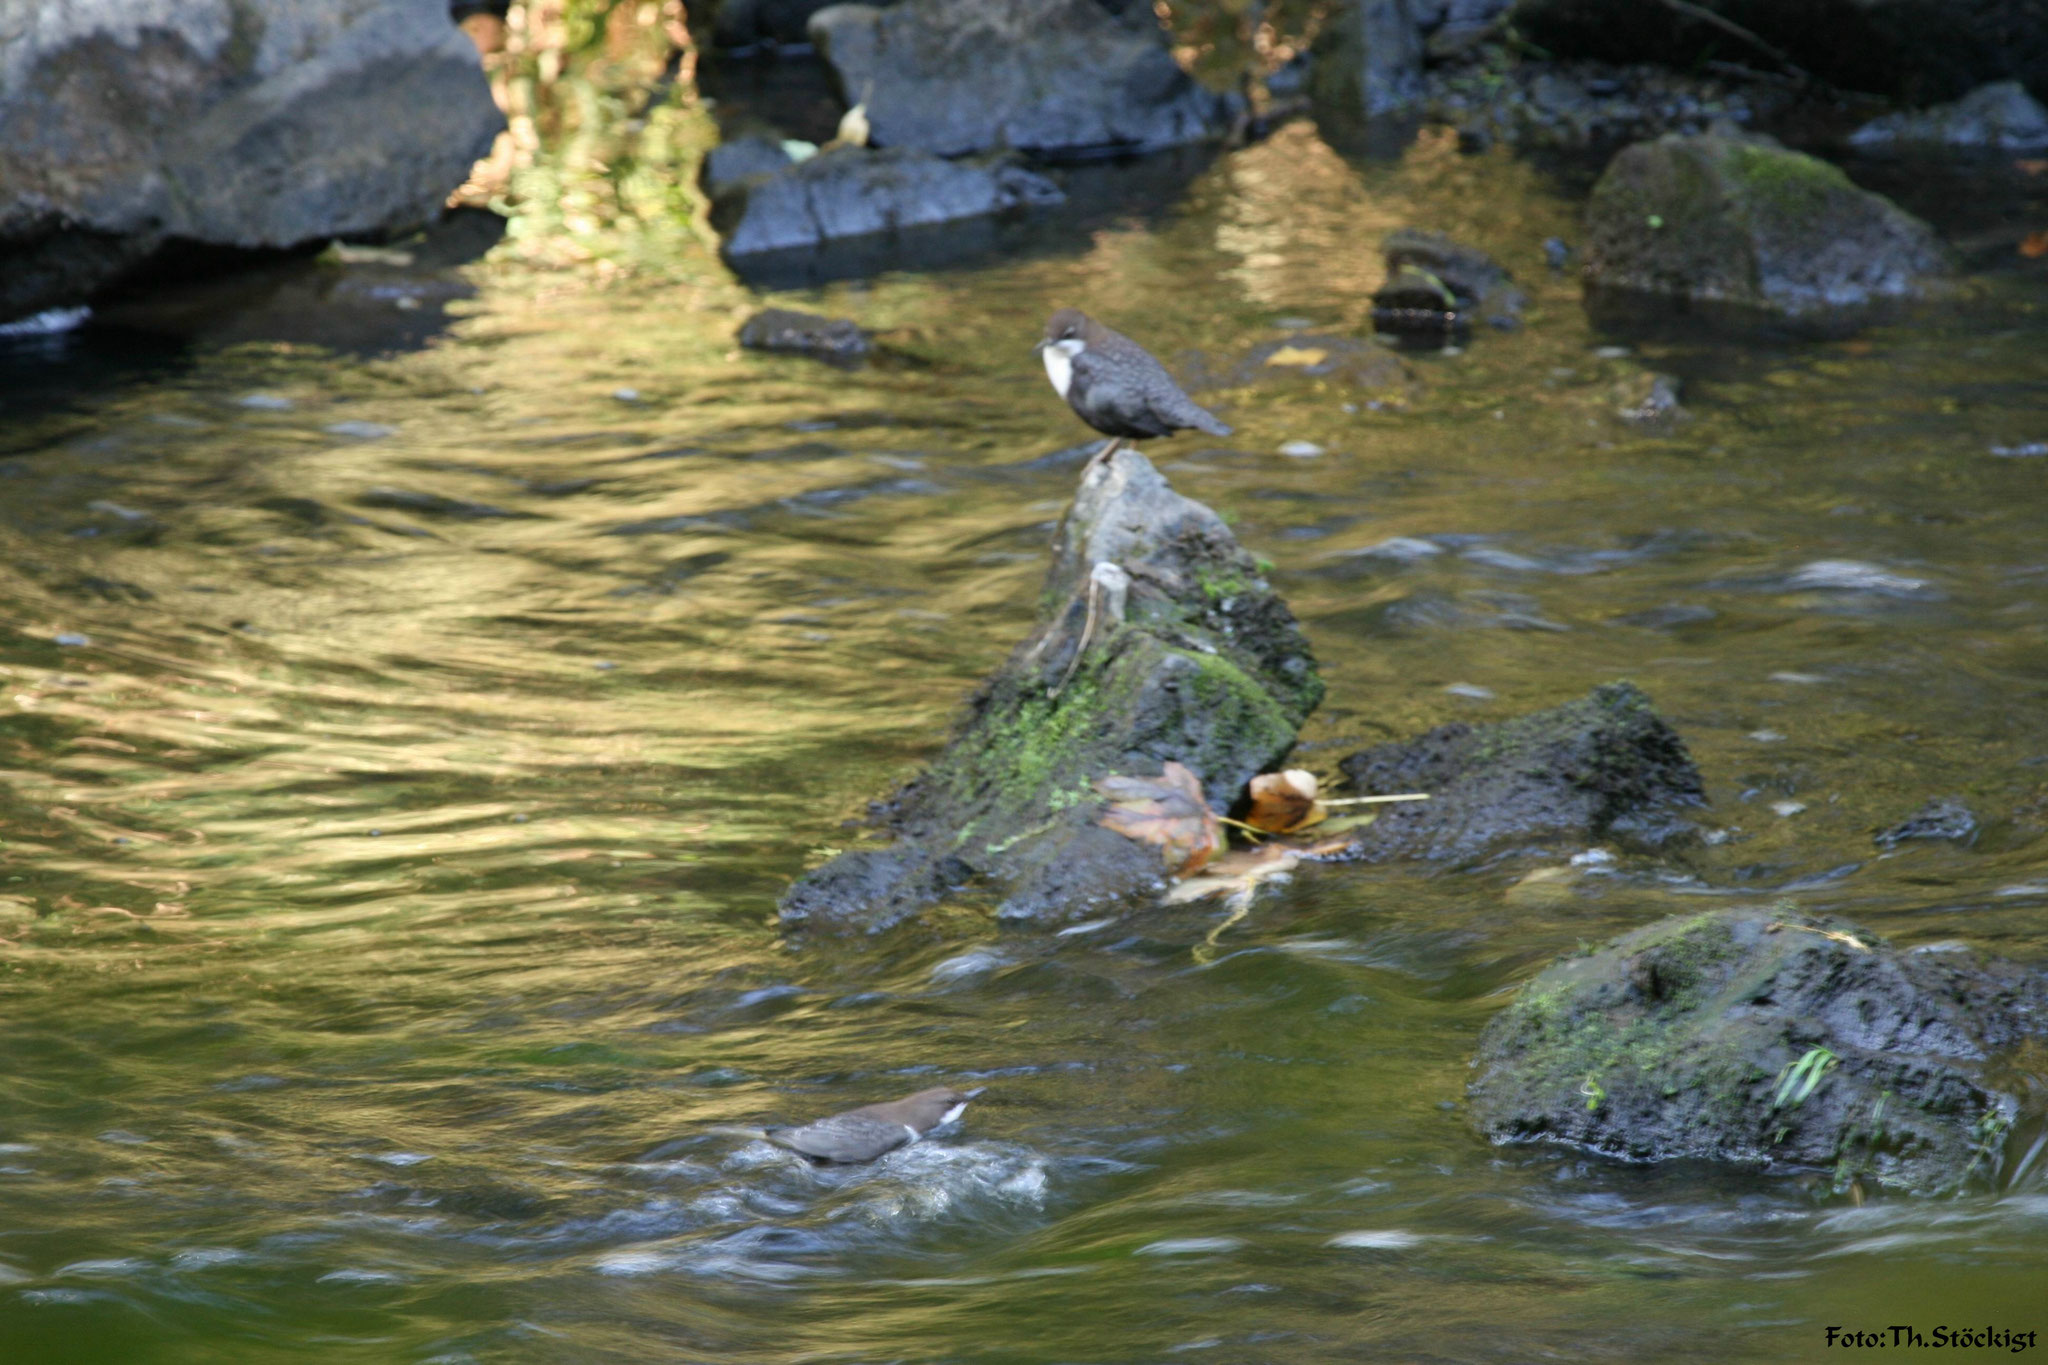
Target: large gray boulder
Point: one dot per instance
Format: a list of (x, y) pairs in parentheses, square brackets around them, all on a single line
[(1750, 226), (125, 124), (848, 192), (1159, 641), (1770, 1039), (1992, 118), (1049, 77)]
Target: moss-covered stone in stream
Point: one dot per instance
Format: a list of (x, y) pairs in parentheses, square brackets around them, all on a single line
[(1204, 665), (1749, 225), (1766, 1038)]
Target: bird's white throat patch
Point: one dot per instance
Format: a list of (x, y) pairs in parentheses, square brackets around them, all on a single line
[(1059, 362)]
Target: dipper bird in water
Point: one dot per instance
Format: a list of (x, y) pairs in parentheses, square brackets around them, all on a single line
[(1114, 385), (866, 1133)]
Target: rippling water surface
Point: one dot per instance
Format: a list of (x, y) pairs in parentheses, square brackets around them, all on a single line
[(403, 751)]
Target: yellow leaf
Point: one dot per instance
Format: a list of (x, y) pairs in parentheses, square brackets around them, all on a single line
[(1298, 355)]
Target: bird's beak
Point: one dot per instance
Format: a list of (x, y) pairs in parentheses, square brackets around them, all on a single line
[(1041, 343)]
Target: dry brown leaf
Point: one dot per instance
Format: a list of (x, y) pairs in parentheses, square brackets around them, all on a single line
[(1284, 802), (1238, 873), (2034, 245), (1298, 355), (1168, 811)]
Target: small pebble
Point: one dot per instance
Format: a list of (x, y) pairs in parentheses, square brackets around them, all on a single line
[(72, 638), (1293, 324), (604, 664), (626, 395), (405, 303), (2028, 448), (1301, 450), (1788, 809), (264, 402), (1807, 679), (1593, 857), (1612, 352), (1472, 690), (1765, 736)]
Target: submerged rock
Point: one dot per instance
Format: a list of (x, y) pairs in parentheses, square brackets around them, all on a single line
[(1766, 1038), (1186, 655), (254, 124), (1751, 226), (1650, 400), (839, 340), (1310, 357), (1046, 77), (848, 192), (1945, 817), (2000, 117), (1603, 765), (1437, 286)]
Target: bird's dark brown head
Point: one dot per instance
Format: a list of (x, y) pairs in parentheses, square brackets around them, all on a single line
[(927, 1109), (1069, 324)]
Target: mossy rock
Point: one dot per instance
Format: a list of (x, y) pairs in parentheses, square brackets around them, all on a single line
[(1768, 1039), (1204, 666), (1603, 765), (1748, 225)]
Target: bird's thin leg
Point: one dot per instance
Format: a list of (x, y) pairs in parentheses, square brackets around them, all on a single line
[(1102, 456)]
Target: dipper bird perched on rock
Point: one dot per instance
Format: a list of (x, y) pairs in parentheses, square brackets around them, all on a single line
[(866, 1133), (1114, 385)]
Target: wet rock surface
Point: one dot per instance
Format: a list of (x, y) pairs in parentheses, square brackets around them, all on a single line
[(1603, 766), (1435, 285), (1765, 1038), (226, 123), (839, 340), (1192, 659), (1992, 118), (847, 192), (1945, 817), (1051, 78), (734, 161), (1749, 226)]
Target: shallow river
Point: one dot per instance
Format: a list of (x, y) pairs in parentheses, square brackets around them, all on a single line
[(403, 753)]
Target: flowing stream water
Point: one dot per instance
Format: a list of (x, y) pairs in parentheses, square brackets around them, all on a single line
[(408, 733)]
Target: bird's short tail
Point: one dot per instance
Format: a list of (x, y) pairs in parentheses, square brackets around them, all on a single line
[(1212, 426)]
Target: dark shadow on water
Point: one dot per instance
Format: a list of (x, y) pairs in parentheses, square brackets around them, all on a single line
[(373, 301)]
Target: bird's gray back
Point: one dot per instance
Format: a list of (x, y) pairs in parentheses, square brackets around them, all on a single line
[(843, 1137)]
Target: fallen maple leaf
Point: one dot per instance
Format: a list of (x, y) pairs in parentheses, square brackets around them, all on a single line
[(2034, 245), (1284, 802), (1169, 811)]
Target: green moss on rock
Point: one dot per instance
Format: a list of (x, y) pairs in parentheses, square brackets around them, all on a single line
[(1204, 666), (1677, 1041), (1751, 225)]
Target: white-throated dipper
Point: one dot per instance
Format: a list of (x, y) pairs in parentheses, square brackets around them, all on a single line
[(866, 1133), (1114, 385)]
